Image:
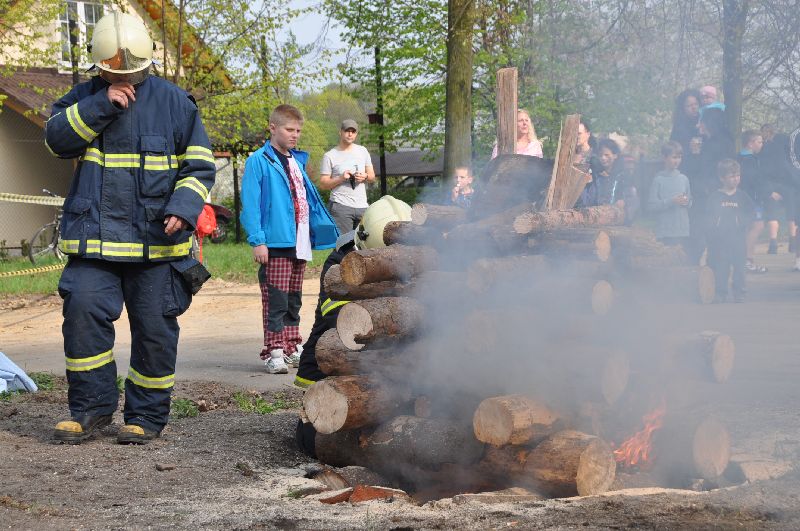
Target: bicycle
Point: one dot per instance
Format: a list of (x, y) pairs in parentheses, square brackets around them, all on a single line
[(45, 240)]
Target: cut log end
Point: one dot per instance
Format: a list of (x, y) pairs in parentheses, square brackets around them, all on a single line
[(711, 449), (354, 269), (602, 297), (325, 407), (353, 320), (602, 244), (597, 468), (706, 287), (723, 352)]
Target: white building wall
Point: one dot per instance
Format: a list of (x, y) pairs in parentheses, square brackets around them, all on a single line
[(26, 166)]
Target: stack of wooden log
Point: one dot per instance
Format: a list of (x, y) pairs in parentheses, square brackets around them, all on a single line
[(409, 393)]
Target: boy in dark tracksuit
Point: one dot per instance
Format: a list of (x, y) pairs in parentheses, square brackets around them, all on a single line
[(729, 212)]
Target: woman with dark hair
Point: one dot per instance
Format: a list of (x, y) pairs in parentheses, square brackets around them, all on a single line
[(584, 145), (684, 118)]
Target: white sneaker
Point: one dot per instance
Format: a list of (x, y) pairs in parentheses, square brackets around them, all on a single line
[(275, 363), (293, 359)]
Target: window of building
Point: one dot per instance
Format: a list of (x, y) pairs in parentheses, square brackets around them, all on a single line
[(85, 15)]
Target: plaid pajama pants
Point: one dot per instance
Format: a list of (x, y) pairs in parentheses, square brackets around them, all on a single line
[(281, 282)]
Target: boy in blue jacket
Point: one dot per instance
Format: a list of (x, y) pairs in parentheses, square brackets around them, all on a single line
[(285, 219)]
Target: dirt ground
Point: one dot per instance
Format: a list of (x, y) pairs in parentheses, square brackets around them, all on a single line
[(240, 470)]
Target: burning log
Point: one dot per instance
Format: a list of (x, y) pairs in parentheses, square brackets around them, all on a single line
[(379, 321), (570, 462), (513, 419), (534, 222), (440, 216), (342, 448), (505, 464), (347, 402), (407, 233), (426, 443), (395, 262), (593, 244)]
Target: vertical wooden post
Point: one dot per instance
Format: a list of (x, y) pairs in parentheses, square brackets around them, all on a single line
[(506, 111)]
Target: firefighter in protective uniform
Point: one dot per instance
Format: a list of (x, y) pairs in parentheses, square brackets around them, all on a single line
[(144, 169), (368, 235)]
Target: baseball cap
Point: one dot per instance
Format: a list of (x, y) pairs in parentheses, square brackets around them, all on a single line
[(349, 124)]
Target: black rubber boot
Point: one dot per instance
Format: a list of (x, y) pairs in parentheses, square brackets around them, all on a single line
[(79, 428), (133, 434)]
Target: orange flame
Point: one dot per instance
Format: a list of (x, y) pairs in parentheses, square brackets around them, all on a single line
[(637, 448)]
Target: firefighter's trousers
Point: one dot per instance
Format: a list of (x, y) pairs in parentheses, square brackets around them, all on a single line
[(155, 295)]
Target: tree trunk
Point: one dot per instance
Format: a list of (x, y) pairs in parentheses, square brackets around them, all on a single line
[(458, 91), (688, 448), (406, 233), (513, 419), (439, 216), (684, 282), (341, 449), (396, 262), (711, 351), (532, 221), (379, 321), (734, 20), (485, 273), (347, 402), (569, 463)]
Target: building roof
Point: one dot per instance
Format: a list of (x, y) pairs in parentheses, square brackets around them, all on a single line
[(410, 162), (32, 91)]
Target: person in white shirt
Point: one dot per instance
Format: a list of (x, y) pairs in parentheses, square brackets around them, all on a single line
[(345, 171)]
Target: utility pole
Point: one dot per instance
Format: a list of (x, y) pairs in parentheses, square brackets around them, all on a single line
[(379, 116)]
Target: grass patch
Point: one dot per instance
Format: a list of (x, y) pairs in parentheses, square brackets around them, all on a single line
[(43, 380), (254, 403), (120, 384), (234, 261), (37, 283), (182, 408)]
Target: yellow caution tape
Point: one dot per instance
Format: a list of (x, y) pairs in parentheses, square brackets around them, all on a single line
[(32, 271), (33, 199)]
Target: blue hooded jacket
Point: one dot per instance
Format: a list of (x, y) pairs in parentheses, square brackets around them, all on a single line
[(267, 205)]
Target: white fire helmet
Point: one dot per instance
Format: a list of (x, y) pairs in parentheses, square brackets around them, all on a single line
[(121, 44), (369, 233)]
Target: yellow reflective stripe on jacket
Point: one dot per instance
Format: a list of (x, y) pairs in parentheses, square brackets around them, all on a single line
[(193, 184), (165, 251), (330, 305), (160, 162), (121, 249), (93, 246), (94, 155), (69, 246), (87, 364), (197, 153), (78, 125), (122, 160), (162, 382)]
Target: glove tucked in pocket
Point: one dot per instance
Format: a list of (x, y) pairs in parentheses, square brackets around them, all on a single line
[(193, 273)]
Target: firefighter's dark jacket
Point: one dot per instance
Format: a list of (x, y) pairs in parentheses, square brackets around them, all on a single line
[(135, 166), (324, 319)]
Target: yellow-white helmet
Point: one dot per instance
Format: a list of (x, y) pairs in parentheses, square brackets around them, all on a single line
[(121, 44), (369, 233)]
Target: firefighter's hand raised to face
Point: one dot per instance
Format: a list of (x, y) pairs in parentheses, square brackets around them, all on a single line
[(120, 94)]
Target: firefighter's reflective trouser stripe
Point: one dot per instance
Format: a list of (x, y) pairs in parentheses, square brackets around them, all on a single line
[(329, 305), (94, 292)]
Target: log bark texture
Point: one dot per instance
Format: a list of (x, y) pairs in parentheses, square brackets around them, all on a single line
[(533, 221), (338, 289), (379, 321), (718, 350), (592, 244), (347, 402), (407, 233), (439, 216), (395, 262), (426, 443), (486, 273), (513, 419), (569, 463)]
